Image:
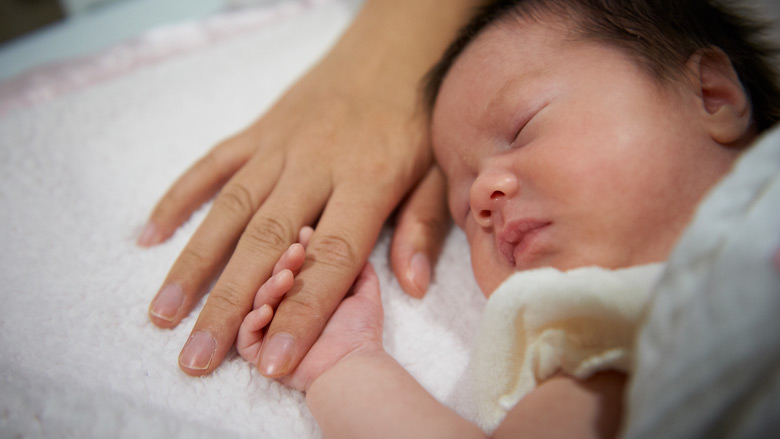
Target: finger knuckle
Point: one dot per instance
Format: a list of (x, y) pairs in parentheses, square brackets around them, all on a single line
[(237, 199), (333, 250), (195, 258), (306, 307), (219, 160), (174, 201), (228, 300), (173, 197), (264, 233), (208, 163)]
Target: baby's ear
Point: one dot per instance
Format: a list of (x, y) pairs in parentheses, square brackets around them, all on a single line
[(725, 106)]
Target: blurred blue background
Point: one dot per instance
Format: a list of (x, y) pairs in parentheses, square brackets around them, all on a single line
[(37, 32)]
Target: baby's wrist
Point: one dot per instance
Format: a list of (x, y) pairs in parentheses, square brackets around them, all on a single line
[(338, 373)]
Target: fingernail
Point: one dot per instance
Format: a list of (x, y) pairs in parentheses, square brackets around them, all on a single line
[(419, 272), (148, 236), (167, 303), (198, 351), (276, 355)]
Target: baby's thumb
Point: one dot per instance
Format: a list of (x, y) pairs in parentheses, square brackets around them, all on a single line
[(367, 285)]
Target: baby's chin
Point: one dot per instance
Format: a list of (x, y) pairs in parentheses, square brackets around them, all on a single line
[(488, 286)]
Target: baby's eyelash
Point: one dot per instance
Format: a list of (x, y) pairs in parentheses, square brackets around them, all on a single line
[(526, 120), (520, 130)]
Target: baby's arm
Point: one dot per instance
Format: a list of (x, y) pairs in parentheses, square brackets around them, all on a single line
[(355, 389), (563, 407), (348, 377), (372, 393)]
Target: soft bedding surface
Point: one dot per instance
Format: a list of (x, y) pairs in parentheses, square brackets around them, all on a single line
[(86, 148)]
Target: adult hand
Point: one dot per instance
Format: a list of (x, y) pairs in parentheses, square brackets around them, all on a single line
[(341, 148)]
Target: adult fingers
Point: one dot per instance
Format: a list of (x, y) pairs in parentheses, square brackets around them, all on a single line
[(195, 187), (422, 225), (336, 253), (211, 245), (272, 229)]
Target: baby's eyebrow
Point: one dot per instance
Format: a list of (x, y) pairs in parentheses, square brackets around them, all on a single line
[(501, 104), (498, 103)]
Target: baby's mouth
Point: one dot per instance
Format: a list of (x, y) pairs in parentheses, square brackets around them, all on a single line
[(516, 240)]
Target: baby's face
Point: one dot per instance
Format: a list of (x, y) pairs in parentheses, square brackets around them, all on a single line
[(567, 154)]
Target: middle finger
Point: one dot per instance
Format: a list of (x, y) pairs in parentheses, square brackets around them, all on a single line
[(292, 203)]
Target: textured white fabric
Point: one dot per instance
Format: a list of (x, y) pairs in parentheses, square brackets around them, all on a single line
[(709, 351), (81, 168), (539, 322)]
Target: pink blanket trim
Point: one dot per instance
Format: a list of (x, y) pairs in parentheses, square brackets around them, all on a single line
[(57, 79)]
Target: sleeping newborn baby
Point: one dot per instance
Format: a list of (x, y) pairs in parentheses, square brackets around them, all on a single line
[(572, 135)]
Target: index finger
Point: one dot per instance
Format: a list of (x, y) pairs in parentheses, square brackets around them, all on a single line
[(338, 250), (271, 230)]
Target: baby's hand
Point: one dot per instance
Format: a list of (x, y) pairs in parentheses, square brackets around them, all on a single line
[(267, 298), (356, 325)]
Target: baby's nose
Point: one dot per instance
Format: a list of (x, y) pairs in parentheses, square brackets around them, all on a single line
[(489, 193)]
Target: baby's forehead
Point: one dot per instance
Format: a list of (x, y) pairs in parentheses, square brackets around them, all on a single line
[(559, 21), (474, 91), (517, 33), (507, 51)]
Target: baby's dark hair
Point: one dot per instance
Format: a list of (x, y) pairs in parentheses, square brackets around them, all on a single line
[(660, 34)]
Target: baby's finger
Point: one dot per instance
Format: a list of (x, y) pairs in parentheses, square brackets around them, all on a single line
[(272, 291), (422, 225), (304, 236), (258, 319), (193, 188), (367, 285), (291, 259), (250, 335)]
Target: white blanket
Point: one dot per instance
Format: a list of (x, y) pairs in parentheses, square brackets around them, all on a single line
[(86, 149)]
